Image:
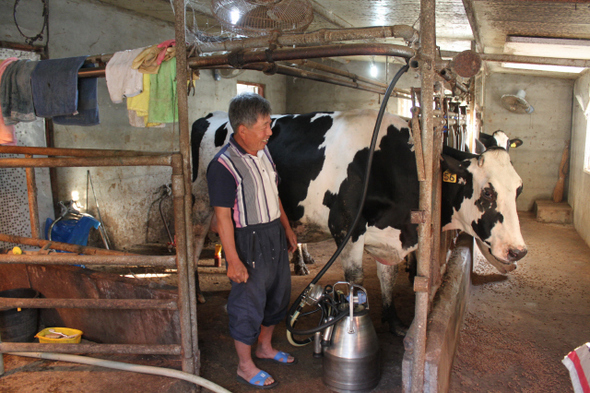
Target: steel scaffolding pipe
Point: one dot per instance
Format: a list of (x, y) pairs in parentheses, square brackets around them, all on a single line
[(57, 151), (70, 259), (270, 68), (112, 304), (239, 58), (53, 245), (173, 349), (162, 160)]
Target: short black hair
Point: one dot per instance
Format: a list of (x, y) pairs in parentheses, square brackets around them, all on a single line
[(245, 109)]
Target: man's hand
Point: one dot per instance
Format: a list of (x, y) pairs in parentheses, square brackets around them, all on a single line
[(237, 272), (291, 239)]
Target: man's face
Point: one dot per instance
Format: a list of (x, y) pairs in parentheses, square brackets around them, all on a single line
[(256, 136)]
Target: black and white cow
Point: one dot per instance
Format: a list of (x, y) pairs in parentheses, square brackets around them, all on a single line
[(497, 139), (321, 160)]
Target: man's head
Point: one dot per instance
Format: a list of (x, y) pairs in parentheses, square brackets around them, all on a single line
[(249, 116), (245, 109)]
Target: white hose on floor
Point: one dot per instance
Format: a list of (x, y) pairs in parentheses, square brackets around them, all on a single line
[(166, 372)]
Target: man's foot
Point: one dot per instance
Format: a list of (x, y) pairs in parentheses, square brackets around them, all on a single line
[(276, 356), (255, 376)]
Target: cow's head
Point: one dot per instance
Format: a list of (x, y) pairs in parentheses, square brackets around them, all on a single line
[(480, 194), (497, 139)]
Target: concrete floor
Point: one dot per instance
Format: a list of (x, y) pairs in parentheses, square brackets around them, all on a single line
[(517, 329)]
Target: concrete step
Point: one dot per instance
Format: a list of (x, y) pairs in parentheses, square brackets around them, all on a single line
[(549, 211)]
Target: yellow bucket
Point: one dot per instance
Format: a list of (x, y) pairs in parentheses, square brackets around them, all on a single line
[(56, 331)]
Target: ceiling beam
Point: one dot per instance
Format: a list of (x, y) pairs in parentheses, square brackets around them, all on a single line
[(468, 4)]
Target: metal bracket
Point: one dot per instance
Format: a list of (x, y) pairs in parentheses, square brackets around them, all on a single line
[(421, 284)]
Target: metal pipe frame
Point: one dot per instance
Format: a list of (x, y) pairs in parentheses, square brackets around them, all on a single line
[(53, 245), (62, 162), (137, 349), (32, 196), (56, 151), (110, 260), (239, 58), (183, 201), (113, 304), (182, 304), (421, 283)]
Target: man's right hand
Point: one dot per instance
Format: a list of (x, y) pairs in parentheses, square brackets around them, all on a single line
[(237, 272)]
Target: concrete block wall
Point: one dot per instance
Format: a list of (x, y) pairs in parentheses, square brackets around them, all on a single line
[(544, 132), (579, 179), (124, 194)]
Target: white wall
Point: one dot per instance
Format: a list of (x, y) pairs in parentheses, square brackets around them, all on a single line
[(579, 186), (544, 132), (87, 27)]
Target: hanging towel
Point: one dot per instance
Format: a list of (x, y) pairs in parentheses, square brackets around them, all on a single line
[(55, 86), (163, 107), (7, 135), (122, 80), (17, 101), (137, 106), (150, 59), (87, 104)]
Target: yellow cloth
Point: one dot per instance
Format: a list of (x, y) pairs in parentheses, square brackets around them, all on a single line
[(146, 61), (140, 105)]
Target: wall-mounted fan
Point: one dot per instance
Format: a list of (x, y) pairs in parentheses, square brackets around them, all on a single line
[(516, 102), (260, 17)]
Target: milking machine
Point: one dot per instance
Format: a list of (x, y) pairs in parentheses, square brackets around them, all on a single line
[(344, 336)]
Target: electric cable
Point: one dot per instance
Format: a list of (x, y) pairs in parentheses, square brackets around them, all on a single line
[(295, 309)]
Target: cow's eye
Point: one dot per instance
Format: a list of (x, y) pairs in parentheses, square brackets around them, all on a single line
[(488, 194)]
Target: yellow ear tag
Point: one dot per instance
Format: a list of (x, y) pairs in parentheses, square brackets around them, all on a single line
[(449, 177)]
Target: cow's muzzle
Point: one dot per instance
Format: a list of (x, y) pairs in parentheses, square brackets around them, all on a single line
[(516, 254)]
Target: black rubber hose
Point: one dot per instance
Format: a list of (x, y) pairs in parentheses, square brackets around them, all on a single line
[(388, 92)]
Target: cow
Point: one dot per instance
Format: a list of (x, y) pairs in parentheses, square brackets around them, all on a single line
[(321, 159), (497, 139)]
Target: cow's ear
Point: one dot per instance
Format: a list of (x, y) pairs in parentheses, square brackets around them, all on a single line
[(514, 143), (479, 147), (453, 165)]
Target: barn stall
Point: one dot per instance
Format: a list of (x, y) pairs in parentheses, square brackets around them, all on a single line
[(546, 133)]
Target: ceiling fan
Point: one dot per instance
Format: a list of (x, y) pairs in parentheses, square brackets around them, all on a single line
[(260, 17), (517, 103)]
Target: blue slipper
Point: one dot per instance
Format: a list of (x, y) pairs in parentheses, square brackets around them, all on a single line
[(281, 358), (258, 380)]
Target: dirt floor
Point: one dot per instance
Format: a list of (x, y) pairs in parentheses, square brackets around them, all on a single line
[(517, 329)]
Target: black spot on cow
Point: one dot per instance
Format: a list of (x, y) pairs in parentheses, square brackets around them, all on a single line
[(483, 227), (453, 194), (221, 135), (295, 149), (198, 130), (487, 198), (392, 191)]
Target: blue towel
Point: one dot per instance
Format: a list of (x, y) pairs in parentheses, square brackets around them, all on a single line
[(15, 92), (55, 86), (71, 231), (87, 104)]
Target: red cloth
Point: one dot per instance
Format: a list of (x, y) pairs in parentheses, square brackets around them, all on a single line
[(7, 135)]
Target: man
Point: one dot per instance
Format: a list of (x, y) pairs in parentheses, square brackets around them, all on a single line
[(255, 234)]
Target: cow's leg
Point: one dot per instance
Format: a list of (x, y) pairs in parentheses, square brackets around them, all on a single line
[(201, 220), (297, 259), (387, 275), (352, 261), (307, 258)]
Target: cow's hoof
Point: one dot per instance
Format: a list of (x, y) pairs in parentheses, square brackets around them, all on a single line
[(301, 270), (308, 259)]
